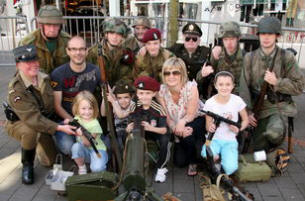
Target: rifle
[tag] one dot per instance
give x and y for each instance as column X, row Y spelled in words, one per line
column 87, row 135
column 109, row 113
column 215, row 172
column 206, row 88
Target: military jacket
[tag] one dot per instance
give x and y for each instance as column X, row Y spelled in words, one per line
column 233, row 64
column 193, row 62
column 48, row 60
column 26, row 106
column 115, row 68
column 133, row 44
column 290, row 80
column 151, row 66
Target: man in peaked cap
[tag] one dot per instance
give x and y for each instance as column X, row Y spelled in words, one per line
column 140, row 26
column 49, row 40
column 193, row 55
column 150, row 58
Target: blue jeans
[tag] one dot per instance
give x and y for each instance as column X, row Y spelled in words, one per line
column 64, row 142
column 228, row 151
column 96, row 164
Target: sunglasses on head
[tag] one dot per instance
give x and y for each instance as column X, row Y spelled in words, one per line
column 167, row 73
column 188, row 38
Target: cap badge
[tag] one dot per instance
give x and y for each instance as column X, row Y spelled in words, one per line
column 29, row 49
column 191, row 27
column 141, row 85
column 155, row 36
column 126, row 86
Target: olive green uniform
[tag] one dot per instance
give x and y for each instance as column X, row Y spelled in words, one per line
column 33, row 129
column 133, row 44
column 48, row 60
column 115, row 68
column 271, row 128
column 151, row 66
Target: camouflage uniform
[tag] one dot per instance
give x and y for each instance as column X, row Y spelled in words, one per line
column 151, row 66
column 48, row 60
column 273, row 115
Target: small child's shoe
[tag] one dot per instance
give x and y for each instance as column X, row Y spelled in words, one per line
column 82, row 169
column 160, row 175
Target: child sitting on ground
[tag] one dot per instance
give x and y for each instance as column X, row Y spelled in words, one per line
column 85, row 110
column 155, row 122
column 227, row 105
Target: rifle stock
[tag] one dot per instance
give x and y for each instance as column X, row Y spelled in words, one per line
column 109, row 113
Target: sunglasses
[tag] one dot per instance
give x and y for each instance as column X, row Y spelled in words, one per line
column 168, row 73
column 187, row 39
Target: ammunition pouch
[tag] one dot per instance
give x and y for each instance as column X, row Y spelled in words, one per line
column 9, row 113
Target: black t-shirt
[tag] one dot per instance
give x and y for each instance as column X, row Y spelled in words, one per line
column 70, row 83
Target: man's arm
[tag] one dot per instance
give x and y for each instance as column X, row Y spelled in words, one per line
column 58, row 108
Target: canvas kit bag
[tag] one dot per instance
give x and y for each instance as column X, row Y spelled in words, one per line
column 92, row 186
column 250, row 170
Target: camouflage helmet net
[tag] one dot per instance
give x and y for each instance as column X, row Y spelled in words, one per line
column 142, row 21
column 116, row 26
column 269, row 25
column 49, row 14
column 229, row 29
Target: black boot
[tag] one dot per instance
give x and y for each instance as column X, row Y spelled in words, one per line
column 27, row 160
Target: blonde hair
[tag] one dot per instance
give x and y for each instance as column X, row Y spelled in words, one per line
column 175, row 63
column 88, row 96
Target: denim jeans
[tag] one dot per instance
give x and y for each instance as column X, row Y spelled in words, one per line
column 64, row 142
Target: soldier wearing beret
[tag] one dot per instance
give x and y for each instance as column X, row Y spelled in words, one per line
column 30, row 97
column 140, row 26
column 151, row 57
column 193, row 55
column 153, row 120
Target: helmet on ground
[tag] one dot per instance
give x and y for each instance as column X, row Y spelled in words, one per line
column 270, row 25
column 142, row 21
column 116, row 26
column 49, row 14
column 229, row 29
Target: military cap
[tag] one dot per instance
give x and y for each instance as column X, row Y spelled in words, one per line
column 25, row 53
column 123, row 86
column 142, row 21
column 49, row 14
column 147, row 83
column 192, row 28
column 151, row 34
column 229, row 29
column 270, row 25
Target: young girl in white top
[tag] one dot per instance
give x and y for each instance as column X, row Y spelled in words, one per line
column 227, row 105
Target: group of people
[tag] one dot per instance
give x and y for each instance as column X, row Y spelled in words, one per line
column 58, row 80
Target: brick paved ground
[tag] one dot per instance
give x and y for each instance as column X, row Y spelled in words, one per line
column 289, row 187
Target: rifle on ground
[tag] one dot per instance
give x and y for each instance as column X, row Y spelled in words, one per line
column 215, row 172
column 87, row 135
column 109, row 113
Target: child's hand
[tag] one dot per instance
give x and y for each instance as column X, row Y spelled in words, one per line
column 85, row 142
column 79, row 132
column 146, row 125
column 66, row 121
column 234, row 129
column 211, row 128
column 129, row 127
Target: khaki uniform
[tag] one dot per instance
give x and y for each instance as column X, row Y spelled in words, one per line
column 33, row 129
column 115, row 69
column 270, row 131
column 47, row 60
column 133, row 44
column 151, row 66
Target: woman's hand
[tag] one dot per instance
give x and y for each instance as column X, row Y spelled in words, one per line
column 187, row 131
column 180, row 128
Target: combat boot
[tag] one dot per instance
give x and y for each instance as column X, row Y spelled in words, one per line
column 27, row 160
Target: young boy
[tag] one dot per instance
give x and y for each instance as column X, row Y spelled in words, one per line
column 121, row 100
column 155, row 122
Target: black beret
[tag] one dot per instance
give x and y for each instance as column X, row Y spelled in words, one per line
column 122, row 87
column 192, row 28
column 25, row 53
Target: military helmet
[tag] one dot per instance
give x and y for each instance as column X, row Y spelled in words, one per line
column 229, row 29
column 142, row 21
column 49, row 14
column 116, row 26
column 270, row 25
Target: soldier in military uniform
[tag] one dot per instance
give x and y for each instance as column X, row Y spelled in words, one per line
column 140, row 26
column 30, row 97
column 226, row 58
column 48, row 39
column 193, row 55
column 284, row 81
column 150, row 59
column 117, row 58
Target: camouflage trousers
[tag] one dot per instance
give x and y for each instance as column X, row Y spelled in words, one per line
column 31, row 139
column 269, row 133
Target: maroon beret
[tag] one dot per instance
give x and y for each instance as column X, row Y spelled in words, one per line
column 147, row 83
column 151, row 34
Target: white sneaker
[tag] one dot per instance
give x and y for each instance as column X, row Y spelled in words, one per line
column 82, row 170
column 160, row 175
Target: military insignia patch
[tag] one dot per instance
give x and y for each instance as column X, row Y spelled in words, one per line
column 17, row 98
column 54, row 84
column 141, row 85
column 153, row 122
column 191, row 27
column 155, row 36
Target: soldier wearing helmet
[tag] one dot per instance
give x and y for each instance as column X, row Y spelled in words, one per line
column 284, row 80
column 49, row 40
column 117, row 58
column 228, row 57
column 140, row 26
